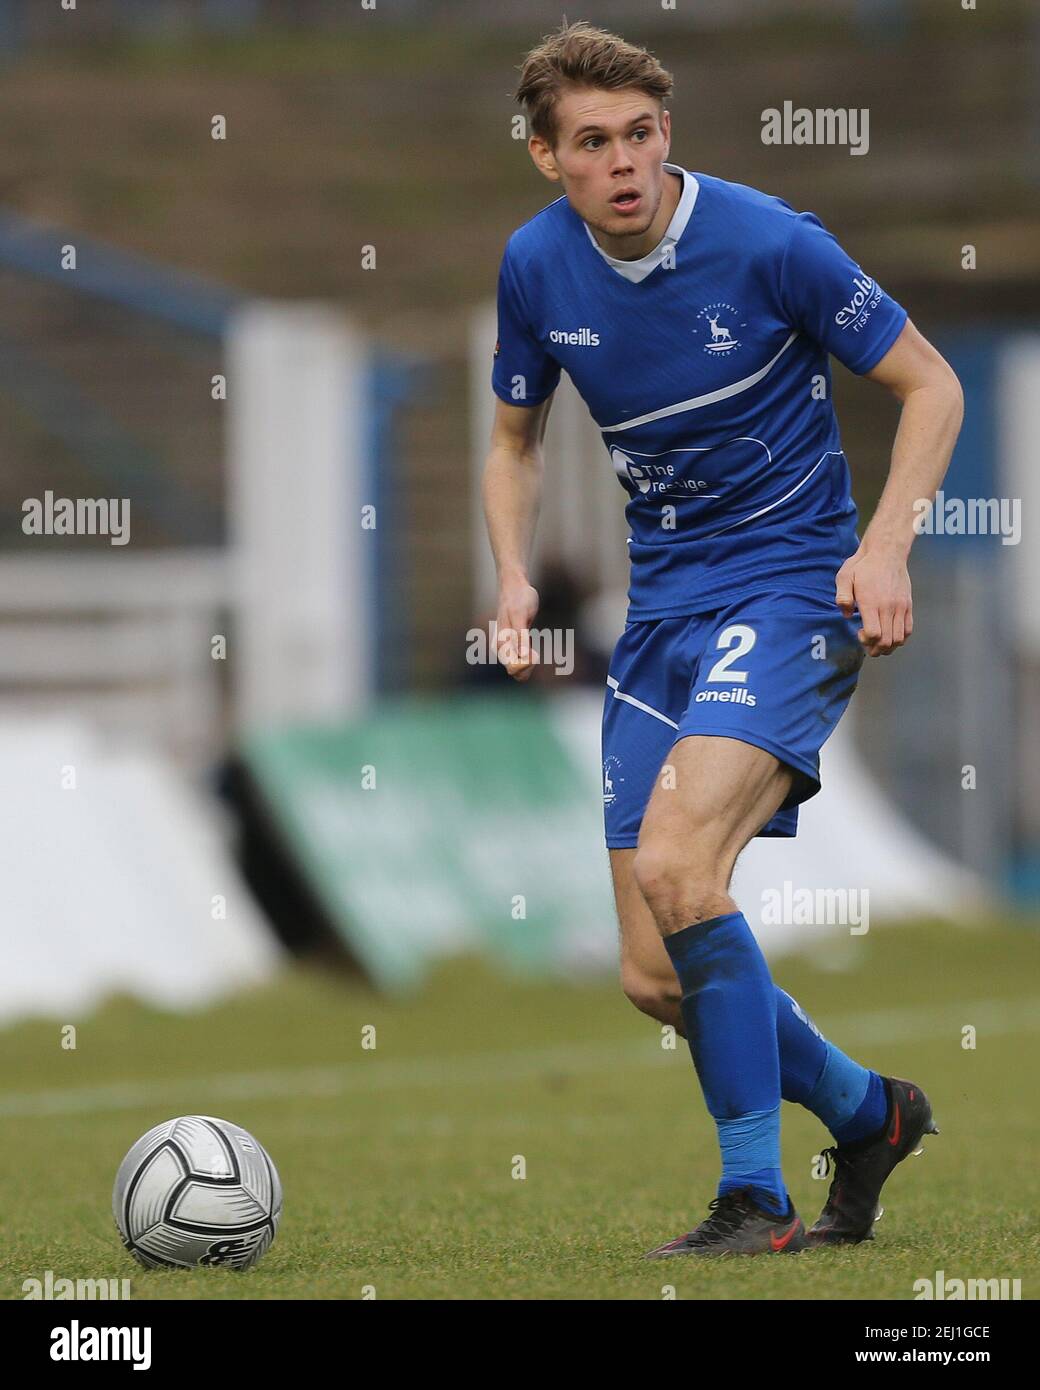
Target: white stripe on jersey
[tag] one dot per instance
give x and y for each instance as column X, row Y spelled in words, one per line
column 695, row 402
column 838, row 453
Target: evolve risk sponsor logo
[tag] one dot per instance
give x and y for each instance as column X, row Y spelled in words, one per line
column 865, row 297
column 720, row 322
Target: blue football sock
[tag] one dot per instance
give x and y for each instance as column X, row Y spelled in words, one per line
column 848, row 1098
column 869, row 1115
column 803, row 1049
column 745, row 1143
column 729, row 1013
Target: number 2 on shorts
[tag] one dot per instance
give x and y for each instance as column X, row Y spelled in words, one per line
column 740, row 639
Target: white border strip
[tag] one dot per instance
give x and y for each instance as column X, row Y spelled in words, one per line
column 838, row 453
column 619, row 694
column 695, row 402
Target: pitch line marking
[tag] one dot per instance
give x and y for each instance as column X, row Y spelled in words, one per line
column 878, row 1027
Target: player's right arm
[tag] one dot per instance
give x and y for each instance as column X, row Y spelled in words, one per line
column 512, row 490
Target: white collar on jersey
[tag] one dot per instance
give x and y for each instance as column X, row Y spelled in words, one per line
column 639, row 270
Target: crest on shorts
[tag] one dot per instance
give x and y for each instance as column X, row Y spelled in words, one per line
column 611, row 768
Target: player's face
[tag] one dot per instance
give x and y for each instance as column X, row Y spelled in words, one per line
column 609, row 154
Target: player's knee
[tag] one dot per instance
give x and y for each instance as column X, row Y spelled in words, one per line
column 677, row 891
column 657, row 873
column 651, row 994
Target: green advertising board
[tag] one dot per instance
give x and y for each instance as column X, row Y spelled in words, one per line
column 433, row 827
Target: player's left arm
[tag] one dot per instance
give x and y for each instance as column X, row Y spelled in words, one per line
column 875, row 580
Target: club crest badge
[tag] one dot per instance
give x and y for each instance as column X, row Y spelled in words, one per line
column 611, row 768
column 721, row 324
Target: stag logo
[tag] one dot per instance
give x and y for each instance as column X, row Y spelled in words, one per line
column 611, row 768
column 721, row 322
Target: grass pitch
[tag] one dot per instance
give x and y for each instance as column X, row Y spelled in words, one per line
column 398, row 1164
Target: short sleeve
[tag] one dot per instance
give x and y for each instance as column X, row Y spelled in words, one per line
column 828, row 297
column 523, row 372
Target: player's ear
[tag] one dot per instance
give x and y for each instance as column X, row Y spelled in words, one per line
column 544, row 159
column 666, row 130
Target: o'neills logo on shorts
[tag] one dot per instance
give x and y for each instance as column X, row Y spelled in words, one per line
column 736, row 696
column 582, row 337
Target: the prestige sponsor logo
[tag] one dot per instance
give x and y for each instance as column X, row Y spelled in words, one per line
column 656, row 479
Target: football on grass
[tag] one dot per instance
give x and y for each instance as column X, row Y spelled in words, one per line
column 197, row 1191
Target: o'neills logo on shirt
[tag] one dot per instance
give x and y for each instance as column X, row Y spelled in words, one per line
column 583, row 337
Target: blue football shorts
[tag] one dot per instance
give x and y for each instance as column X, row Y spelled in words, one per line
column 774, row 669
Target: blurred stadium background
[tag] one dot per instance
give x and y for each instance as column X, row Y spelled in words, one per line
column 250, row 777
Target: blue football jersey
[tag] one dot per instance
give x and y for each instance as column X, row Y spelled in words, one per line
column 709, row 379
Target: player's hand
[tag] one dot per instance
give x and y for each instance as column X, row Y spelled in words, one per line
column 517, row 606
column 876, row 582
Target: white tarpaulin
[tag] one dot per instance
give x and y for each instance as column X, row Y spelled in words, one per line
column 116, row 878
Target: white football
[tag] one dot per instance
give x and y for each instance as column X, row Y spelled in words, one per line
column 197, row 1191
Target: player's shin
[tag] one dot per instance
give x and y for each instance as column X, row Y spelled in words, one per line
column 848, row 1098
column 729, row 1012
